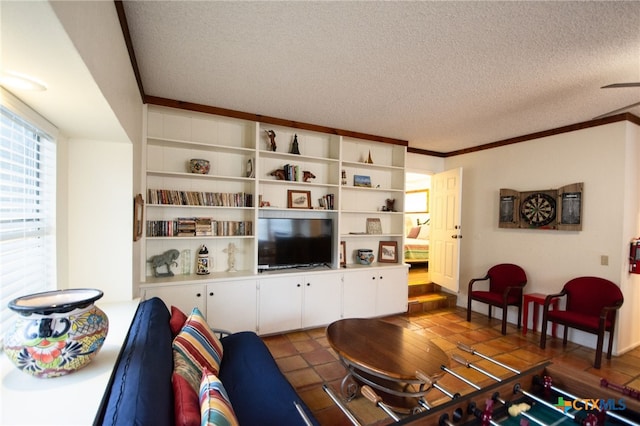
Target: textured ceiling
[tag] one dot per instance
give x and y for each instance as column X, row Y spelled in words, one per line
column 442, row 75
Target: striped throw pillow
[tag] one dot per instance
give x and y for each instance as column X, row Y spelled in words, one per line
column 215, row 407
column 198, row 344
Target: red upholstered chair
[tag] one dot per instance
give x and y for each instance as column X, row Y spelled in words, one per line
column 506, row 282
column 591, row 306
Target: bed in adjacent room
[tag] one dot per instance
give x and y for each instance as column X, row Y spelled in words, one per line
column 416, row 245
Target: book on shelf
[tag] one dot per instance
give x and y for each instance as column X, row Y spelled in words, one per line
column 198, row 227
column 197, row 198
column 327, row 202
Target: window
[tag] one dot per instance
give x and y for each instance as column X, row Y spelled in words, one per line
column 417, row 201
column 27, row 206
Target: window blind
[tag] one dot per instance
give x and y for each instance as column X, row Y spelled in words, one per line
column 27, row 211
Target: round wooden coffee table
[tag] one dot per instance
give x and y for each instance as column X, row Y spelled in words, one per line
column 384, row 356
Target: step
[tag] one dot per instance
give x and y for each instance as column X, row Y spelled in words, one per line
column 431, row 301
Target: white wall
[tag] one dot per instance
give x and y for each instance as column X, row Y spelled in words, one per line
column 596, row 156
column 96, row 175
column 629, row 332
column 100, row 223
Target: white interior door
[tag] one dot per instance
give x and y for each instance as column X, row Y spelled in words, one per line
column 444, row 241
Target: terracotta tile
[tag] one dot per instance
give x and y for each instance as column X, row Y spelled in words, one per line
column 291, row 363
column 319, row 356
column 315, row 398
column 281, row 349
column 297, row 336
column 303, row 378
column 308, row 345
column 331, row 371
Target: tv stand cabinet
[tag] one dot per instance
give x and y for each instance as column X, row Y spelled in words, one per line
column 243, row 185
column 274, row 303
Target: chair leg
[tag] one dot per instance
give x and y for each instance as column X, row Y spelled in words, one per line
column 469, row 308
column 610, row 344
column 504, row 320
column 543, row 332
column 566, row 334
column 519, row 316
column 599, row 349
column 489, row 311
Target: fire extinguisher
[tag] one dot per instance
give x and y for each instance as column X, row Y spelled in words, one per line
column 202, row 267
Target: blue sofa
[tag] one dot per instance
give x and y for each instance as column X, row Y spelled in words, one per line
column 140, row 391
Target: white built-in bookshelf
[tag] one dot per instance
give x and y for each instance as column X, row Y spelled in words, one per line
column 247, row 180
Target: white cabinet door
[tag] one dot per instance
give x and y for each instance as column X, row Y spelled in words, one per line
column 359, row 294
column 392, row 294
column 232, row 305
column 321, row 299
column 279, row 304
column 184, row 297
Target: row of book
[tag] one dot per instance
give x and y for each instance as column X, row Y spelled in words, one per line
column 198, row 227
column 327, row 202
column 196, row 198
column 292, row 173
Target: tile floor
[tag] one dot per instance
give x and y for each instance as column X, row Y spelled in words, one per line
column 308, row 362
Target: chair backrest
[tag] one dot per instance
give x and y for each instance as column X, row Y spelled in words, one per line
column 588, row 295
column 506, row 275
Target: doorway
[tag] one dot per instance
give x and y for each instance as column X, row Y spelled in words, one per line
column 417, row 227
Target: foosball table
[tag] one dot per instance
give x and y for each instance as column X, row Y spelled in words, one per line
column 545, row 394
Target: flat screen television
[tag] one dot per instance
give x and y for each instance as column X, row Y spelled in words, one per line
column 293, row 243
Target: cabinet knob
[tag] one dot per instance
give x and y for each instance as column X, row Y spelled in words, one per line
column 198, row 295
column 380, row 276
column 298, row 285
column 373, row 278
column 308, row 284
column 211, row 293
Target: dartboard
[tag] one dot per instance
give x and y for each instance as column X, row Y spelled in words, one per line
column 538, row 209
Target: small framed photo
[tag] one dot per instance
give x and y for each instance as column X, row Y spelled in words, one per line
column 298, row 199
column 388, row 252
column 343, row 254
column 360, row 180
column 374, row 226
column 138, row 219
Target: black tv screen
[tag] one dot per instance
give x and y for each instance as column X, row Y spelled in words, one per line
column 290, row 243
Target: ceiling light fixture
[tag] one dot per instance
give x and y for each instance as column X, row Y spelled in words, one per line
column 14, row 80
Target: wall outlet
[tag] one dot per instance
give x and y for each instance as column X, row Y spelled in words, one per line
column 604, row 260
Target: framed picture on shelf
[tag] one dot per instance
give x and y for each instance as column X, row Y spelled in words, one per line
column 388, row 252
column 298, row 199
column 343, row 254
column 374, row 226
column 138, row 220
column 361, row 180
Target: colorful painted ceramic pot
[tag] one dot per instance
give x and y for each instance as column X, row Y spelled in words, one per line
column 57, row 332
column 365, row 256
column 198, row 165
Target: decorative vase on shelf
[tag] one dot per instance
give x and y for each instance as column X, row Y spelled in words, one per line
column 365, row 256
column 199, row 166
column 57, row 332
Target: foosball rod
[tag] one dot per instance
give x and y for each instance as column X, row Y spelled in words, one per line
column 459, row 377
column 420, row 375
column 341, row 405
column 547, row 383
column 372, row 396
column 467, row 364
column 518, row 389
column 472, row 351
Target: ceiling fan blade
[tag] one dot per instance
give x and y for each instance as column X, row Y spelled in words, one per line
column 618, row 85
column 617, row 111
